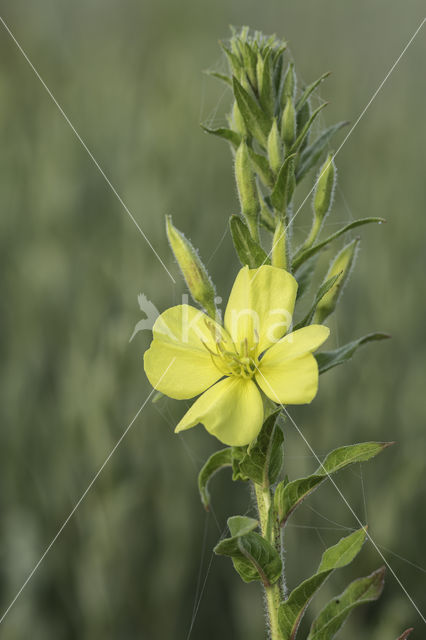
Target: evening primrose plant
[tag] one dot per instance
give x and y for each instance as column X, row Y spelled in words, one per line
column 244, row 370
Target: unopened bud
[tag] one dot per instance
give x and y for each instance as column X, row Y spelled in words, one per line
column 342, row 264
column 238, row 120
column 288, row 124
column 247, row 189
column 275, row 148
column 193, row 270
column 279, row 246
column 323, row 197
column 289, row 84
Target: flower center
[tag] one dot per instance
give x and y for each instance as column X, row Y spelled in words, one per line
column 233, row 360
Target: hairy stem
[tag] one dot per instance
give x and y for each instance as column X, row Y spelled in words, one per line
column 272, row 592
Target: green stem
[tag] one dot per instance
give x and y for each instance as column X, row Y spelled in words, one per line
column 272, row 592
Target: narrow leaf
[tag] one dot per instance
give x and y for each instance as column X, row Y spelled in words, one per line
column 219, row 460
column 263, row 462
column 333, row 616
column 328, row 359
column 253, row 557
column 324, row 288
column 248, row 250
column 262, row 167
column 220, row 76
column 341, row 554
column 310, row 89
column 302, row 135
column 304, row 275
column 311, row 155
column 256, row 120
column 291, row 495
column 227, row 134
column 302, row 255
column 282, row 183
column 406, row 633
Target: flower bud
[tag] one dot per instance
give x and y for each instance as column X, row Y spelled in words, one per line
column 289, row 84
column 288, row 124
column 323, row 197
column 238, row 120
column 279, row 245
column 275, row 148
column 193, row 270
column 247, row 190
column 342, row 264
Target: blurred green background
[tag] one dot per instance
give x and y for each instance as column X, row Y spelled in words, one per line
column 135, row 560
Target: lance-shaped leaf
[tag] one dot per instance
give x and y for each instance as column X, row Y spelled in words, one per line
column 328, row 359
column 324, row 288
column 253, row 557
column 263, row 462
column 406, row 633
column 256, row 120
column 279, row 195
column 311, row 155
column 227, row 134
column 310, row 89
column 304, row 275
column 219, row 460
column 262, row 167
column 289, row 496
column 248, row 250
column 333, row 616
column 302, row 135
column 303, row 255
column 267, row 97
column 220, row 76
column 341, row 554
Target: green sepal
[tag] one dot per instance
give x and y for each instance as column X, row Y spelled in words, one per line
column 291, row 495
column 248, row 250
column 307, row 92
column 334, row 615
column 341, row 554
column 256, row 120
column 227, row 134
column 253, row 557
column 312, row 154
column 328, row 359
column 305, row 130
column 219, row 460
column 324, row 288
column 263, row 461
column 405, row 634
column 303, row 255
column 281, row 192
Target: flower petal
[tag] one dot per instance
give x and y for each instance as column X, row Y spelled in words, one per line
column 231, row 410
column 178, row 362
column 260, row 306
column 294, row 381
column 288, row 372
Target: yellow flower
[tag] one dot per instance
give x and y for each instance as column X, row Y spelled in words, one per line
column 232, row 365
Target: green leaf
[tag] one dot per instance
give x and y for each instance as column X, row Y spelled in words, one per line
column 311, row 155
column 335, row 613
column 304, row 276
column 289, row 496
column 248, row 250
column 302, row 135
column 267, row 91
column 227, row 134
column 303, row 255
column 262, row 167
column 406, row 633
column 219, row 460
column 220, row 76
column 329, row 359
column 341, row 554
column 280, row 191
column 324, row 288
column 309, row 90
column 253, row 557
column 263, row 462
column 256, row 120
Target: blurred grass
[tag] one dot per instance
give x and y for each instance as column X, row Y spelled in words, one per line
column 72, row 263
